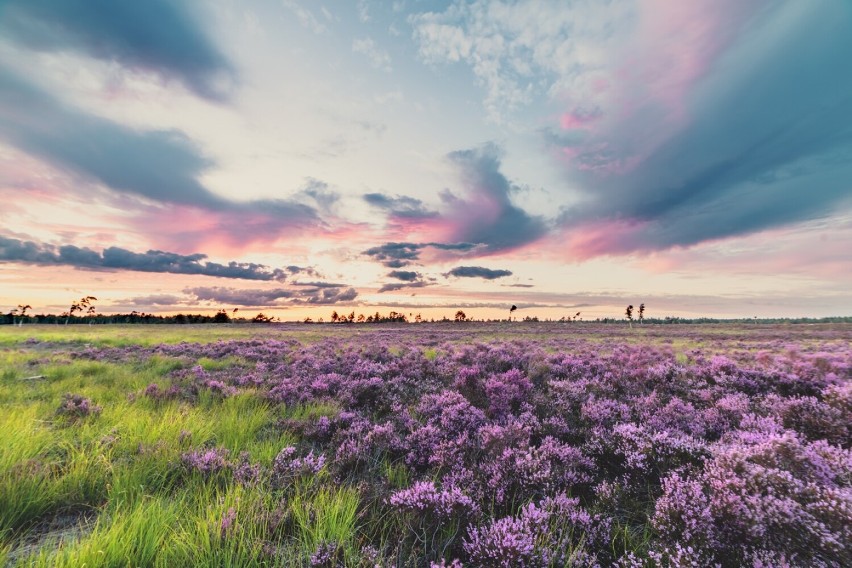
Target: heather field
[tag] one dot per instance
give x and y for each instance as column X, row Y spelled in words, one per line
column 424, row 445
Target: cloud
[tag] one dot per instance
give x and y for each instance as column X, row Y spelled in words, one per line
column 318, row 284
column 395, row 286
column 156, row 300
column 677, row 123
column 154, row 36
column 398, row 255
column 162, row 166
column 306, row 18
column 477, row 272
column 401, row 206
column 379, row 58
column 273, row 297
column 320, row 193
column 485, row 215
column 750, row 141
column 480, row 220
column 404, row 275
column 521, row 50
column 115, row 258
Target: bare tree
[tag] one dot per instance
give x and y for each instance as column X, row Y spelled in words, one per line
column 21, row 312
column 84, row 303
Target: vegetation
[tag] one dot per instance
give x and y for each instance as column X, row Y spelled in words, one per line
column 498, row 445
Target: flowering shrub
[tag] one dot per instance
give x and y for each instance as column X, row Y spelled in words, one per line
column 733, row 452
column 424, row 498
column 287, row 467
column 207, row 462
column 552, row 532
column 76, row 407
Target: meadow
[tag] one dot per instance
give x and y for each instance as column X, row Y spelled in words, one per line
column 460, row 444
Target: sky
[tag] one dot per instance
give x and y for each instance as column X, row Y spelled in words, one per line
column 298, row 157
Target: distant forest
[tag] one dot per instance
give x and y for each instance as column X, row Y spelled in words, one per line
column 223, row 317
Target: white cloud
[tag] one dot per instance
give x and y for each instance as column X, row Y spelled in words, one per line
column 363, row 11
column 379, row 58
column 305, row 16
column 524, row 49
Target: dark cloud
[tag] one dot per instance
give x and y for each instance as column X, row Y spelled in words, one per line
column 115, row 258
column 154, row 36
column 404, row 275
column 321, row 194
column 318, row 284
column 394, row 286
column 163, row 166
column 477, row 272
column 328, row 296
column 398, row 255
column 275, row 297
column 486, row 216
column 400, row 206
column 767, row 142
column 395, row 255
column 156, row 300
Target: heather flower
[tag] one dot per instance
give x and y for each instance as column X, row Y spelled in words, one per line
column 246, row 472
column 423, row 497
column 327, row 555
column 76, row 407
column 506, row 391
column 153, row 391
column 286, row 466
column 455, row 563
column 207, row 462
column 219, row 388
column 550, row 532
column 228, row 523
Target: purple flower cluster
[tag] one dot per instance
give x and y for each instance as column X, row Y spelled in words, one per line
column 424, row 498
column 207, row 462
column 733, row 453
column 75, row 407
column 553, row 532
column 287, row 467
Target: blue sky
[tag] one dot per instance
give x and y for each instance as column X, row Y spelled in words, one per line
column 287, row 156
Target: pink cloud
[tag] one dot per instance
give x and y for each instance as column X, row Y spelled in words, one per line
column 598, row 238
column 642, row 92
column 579, row 118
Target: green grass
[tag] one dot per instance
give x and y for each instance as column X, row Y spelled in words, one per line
column 119, row 472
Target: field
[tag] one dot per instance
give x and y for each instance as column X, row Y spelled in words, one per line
column 426, row 445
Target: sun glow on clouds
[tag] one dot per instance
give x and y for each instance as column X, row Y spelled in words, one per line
column 671, row 148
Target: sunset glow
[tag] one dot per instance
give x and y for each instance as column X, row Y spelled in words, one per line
column 297, row 157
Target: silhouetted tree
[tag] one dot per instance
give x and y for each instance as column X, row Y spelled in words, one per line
column 85, row 303
column 512, row 309
column 334, row 316
column 221, row 317
column 641, row 312
column 629, row 313
column 460, row 316
column 21, row 312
